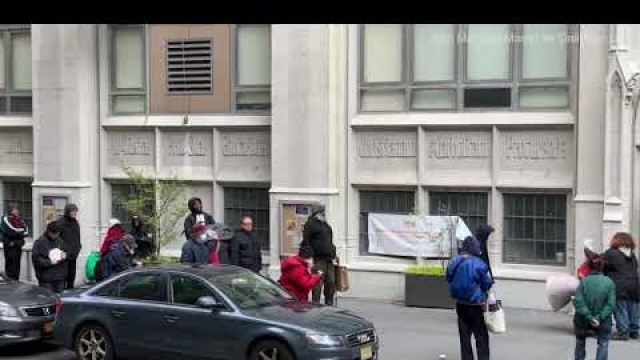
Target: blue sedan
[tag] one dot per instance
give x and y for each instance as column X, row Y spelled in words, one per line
column 205, row 312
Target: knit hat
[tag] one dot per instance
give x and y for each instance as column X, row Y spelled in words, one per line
column 198, row 229
column 54, row 228
column 113, row 222
column 471, row 246
column 305, row 252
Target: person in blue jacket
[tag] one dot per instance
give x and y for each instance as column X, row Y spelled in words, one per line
column 469, row 282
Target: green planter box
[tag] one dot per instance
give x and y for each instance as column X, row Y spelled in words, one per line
column 427, row 291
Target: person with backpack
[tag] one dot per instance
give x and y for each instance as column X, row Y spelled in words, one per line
column 469, row 281
column 115, row 232
column 594, row 303
column 121, row 256
column 13, row 230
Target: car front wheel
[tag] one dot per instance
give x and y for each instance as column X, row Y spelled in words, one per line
column 271, row 350
column 93, row 343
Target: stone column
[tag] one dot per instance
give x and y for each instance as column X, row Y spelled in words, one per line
column 66, row 123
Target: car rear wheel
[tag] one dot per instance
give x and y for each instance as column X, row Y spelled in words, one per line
column 93, row 343
column 271, row 350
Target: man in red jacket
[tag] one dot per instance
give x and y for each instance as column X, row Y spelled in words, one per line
column 296, row 277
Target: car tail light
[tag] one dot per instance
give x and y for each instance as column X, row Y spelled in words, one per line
column 58, row 306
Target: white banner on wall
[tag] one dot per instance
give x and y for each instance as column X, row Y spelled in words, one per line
column 415, row 235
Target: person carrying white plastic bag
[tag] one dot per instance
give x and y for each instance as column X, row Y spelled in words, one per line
column 494, row 316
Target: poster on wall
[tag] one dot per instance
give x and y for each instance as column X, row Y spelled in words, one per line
column 52, row 208
column 294, row 216
column 415, row 235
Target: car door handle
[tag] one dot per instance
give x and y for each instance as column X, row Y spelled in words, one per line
column 118, row 313
column 170, row 319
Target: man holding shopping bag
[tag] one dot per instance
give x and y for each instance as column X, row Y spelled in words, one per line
column 469, row 282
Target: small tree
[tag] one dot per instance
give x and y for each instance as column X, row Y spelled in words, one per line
column 168, row 205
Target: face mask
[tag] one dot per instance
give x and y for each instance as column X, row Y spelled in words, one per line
column 320, row 217
column 626, row 251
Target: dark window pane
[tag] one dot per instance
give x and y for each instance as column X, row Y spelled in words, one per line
column 395, row 202
column 487, row 98
column 110, row 290
column 187, row 290
column 148, row 287
column 535, row 229
column 3, row 105
column 21, row 105
column 471, row 207
column 240, row 201
column 120, row 194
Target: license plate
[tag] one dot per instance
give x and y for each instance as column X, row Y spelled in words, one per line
column 366, row 353
column 48, row 327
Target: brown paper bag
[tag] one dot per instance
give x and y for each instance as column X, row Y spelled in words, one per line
column 342, row 278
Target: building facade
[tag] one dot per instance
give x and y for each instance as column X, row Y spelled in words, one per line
column 531, row 128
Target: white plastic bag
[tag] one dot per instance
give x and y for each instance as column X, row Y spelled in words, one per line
column 494, row 316
column 560, row 289
column 55, row 255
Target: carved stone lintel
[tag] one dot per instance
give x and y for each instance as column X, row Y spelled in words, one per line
column 386, row 145
column 246, row 144
column 526, row 147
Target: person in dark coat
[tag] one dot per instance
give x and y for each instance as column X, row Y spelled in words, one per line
column 245, row 249
column 13, row 230
column 196, row 216
column 196, row 250
column 121, row 256
column 483, row 234
column 594, row 303
column 318, row 235
column 49, row 259
column 621, row 265
column 144, row 241
column 295, row 275
column 70, row 241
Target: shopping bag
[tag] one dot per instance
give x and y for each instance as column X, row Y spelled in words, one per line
column 494, row 316
column 342, row 278
column 560, row 289
column 90, row 265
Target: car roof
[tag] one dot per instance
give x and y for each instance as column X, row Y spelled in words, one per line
column 207, row 270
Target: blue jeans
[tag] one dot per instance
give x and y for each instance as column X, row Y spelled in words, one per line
column 603, row 345
column 627, row 315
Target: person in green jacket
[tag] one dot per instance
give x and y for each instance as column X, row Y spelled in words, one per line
column 594, row 303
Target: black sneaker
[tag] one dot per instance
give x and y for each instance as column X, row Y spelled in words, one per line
column 634, row 336
column 623, row 336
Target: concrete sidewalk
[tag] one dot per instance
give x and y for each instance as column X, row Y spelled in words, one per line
column 423, row 334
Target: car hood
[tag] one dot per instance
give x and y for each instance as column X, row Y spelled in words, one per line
column 320, row 318
column 20, row 294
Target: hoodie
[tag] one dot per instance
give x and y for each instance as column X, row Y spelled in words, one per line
column 192, row 218
column 143, row 240
column 120, row 256
column 70, row 232
column 468, row 275
column 296, row 278
column 623, row 270
column 483, row 233
column 113, row 234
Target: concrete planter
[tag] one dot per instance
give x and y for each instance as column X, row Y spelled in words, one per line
column 428, row 291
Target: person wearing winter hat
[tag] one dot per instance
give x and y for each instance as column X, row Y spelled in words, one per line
column 469, row 281
column 121, row 255
column 70, row 241
column 318, row 235
column 49, row 260
column 196, row 250
column 13, row 230
column 114, row 233
column 144, row 238
column 591, row 254
column 196, row 216
column 296, row 277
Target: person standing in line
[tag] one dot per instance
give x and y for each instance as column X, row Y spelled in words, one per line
column 196, row 250
column 114, row 233
column 144, row 240
column 49, row 259
column 594, row 303
column 121, row 256
column 318, row 235
column 295, row 275
column 13, row 230
column 245, row 249
column 590, row 254
column 621, row 265
column 469, row 281
column 71, row 241
column 196, row 216
column 483, row 234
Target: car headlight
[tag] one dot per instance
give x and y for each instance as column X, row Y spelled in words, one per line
column 8, row 310
column 323, row 340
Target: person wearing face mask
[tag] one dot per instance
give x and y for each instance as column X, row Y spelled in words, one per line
column 49, row 260
column 197, row 249
column 121, row 256
column 621, row 265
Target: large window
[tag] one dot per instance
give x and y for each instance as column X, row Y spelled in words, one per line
column 472, row 207
column 15, row 71
column 253, row 68
column 447, row 67
column 240, row 201
column 120, row 194
column 128, row 69
column 535, row 229
column 391, row 202
column 20, row 193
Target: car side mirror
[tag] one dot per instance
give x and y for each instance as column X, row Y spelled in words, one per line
column 209, row 302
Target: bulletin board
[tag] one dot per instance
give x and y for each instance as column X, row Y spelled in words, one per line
column 52, row 208
column 294, row 216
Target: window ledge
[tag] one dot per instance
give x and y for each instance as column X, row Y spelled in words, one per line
column 192, row 120
column 465, row 118
column 16, row 121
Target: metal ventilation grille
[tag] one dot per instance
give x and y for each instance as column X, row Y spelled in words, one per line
column 189, row 66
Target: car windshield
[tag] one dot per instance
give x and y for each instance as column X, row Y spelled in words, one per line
column 248, row 290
